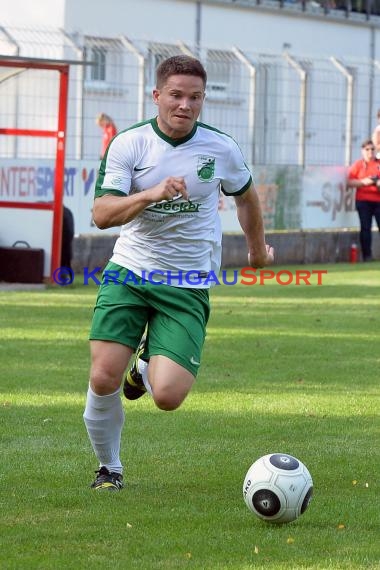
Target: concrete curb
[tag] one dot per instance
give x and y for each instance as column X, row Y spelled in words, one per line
column 291, row 248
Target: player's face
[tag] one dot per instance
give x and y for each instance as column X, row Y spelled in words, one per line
column 179, row 103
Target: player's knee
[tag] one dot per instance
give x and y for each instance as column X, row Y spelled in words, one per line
column 167, row 401
column 103, row 382
column 167, row 406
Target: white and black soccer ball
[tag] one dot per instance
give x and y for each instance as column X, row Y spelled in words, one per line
column 278, row 488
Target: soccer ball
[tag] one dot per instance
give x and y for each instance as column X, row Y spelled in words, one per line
column 278, row 488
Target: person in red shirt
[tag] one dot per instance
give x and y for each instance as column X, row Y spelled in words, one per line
column 109, row 131
column 364, row 175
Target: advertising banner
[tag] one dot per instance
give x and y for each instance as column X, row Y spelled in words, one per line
column 327, row 202
column 291, row 198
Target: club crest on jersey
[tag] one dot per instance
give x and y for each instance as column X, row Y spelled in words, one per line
column 206, row 168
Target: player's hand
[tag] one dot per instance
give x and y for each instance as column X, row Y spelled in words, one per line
column 169, row 188
column 261, row 259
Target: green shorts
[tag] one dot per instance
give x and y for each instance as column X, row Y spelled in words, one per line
column 176, row 316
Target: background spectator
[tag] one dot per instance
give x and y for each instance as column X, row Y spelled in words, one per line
column 364, row 175
column 109, row 130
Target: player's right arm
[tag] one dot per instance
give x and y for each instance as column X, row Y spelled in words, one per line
column 114, row 203
column 110, row 210
column 251, row 221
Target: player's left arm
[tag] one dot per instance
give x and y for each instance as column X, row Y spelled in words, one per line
column 251, row 221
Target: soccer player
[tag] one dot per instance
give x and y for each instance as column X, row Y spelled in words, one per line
column 160, row 180
column 376, row 136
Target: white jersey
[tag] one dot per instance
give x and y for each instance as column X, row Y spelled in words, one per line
column 176, row 236
column 376, row 140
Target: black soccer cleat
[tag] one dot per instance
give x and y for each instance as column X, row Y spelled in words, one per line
column 107, row 480
column 133, row 383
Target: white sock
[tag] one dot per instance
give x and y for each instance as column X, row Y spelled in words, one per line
column 104, row 420
column 143, row 369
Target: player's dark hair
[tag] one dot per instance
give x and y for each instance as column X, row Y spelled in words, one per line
column 179, row 65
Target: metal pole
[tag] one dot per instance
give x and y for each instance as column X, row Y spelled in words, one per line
column 79, row 139
column 252, row 99
column 17, row 53
column 198, row 27
column 59, row 169
column 302, row 117
column 349, row 108
column 375, row 64
column 183, row 47
column 141, row 77
column 371, row 79
column 265, row 98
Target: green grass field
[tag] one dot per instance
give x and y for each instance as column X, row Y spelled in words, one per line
column 286, row 368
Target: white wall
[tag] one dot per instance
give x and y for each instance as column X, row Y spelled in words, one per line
column 221, row 26
column 256, row 31
column 32, row 12
column 253, row 29
column 159, row 20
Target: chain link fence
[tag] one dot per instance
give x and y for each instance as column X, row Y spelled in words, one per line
column 358, row 10
column 283, row 109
